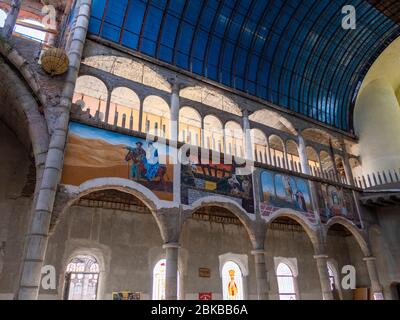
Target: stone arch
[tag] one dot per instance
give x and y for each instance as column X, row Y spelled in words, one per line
column 190, row 124
column 156, row 116
column 213, row 133
column 277, row 147
column 302, row 221
column 352, row 228
column 145, row 195
column 21, row 112
column 230, row 205
column 234, row 138
column 91, row 95
column 313, row 160
column 274, row 120
column 260, row 146
column 293, row 157
column 322, row 137
column 124, row 108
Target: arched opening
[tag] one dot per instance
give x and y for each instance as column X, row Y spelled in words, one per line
column 116, row 226
column 339, row 164
column 124, row 108
column 277, row 151
column 213, row 133
column 159, row 280
column 313, row 161
column 343, row 248
column 286, row 282
column 156, row 117
column 260, row 146
column 190, row 126
column 293, row 156
column 232, row 281
column 82, row 278
column 3, row 17
column 328, row 169
column 234, row 139
column 321, row 137
column 290, row 244
column 214, row 240
column 273, row 120
column 91, row 95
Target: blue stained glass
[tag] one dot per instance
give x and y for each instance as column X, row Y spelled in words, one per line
column 290, row 52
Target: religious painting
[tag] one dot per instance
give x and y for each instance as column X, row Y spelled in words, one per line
column 334, row 201
column 284, row 191
column 205, row 296
column 199, row 180
column 96, row 153
column 232, row 281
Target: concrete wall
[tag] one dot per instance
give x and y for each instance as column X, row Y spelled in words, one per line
column 14, row 209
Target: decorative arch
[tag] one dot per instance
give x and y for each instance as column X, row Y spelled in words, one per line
column 156, row 116
column 229, row 204
column 293, row 155
column 124, row 108
column 190, row 123
column 260, row 146
column 277, row 150
column 302, row 221
column 353, row 229
column 145, row 195
column 234, row 139
column 91, row 95
column 213, row 133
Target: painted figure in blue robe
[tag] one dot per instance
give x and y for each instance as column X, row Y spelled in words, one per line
column 152, row 162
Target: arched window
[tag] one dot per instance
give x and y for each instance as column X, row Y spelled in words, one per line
column 232, row 281
column 3, row 17
column 331, row 277
column 286, row 285
column 81, row 278
column 159, row 280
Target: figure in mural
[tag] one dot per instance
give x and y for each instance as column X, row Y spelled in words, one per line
column 288, row 187
column 137, row 155
column 152, row 163
column 232, row 286
column 301, row 202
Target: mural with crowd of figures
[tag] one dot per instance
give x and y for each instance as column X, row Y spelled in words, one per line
column 334, row 201
column 284, row 191
column 96, row 153
column 199, row 180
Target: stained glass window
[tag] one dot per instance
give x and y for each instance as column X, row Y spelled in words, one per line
column 81, row 278
column 286, row 283
column 232, row 281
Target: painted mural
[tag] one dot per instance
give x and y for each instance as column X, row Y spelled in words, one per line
column 200, row 180
column 96, row 153
column 334, row 201
column 284, row 191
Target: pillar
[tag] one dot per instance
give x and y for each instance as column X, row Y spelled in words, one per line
column 247, row 141
column 285, row 159
column 171, row 272
column 322, row 267
column 346, row 165
column 174, row 122
column 261, row 274
column 108, row 103
column 202, row 134
column 38, row 233
column 376, row 287
column 11, row 19
column 303, row 155
column 141, row 115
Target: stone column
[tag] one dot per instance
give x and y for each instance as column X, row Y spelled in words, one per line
column 285, row 158
column 261, row 274
column 247, row 141
column 303, row 155
column 322, row 267
column 202, row 134
column 140, row 126
column 11, row 19
column 373, row 275
column 37, row 236
column 346, row 165
column 174, row 118
column 171, row 273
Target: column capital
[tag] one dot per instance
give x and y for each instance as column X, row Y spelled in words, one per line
column 176, row 84
column 369, row 258
column 171, row 245
column 258, row 251
column 320, row 256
